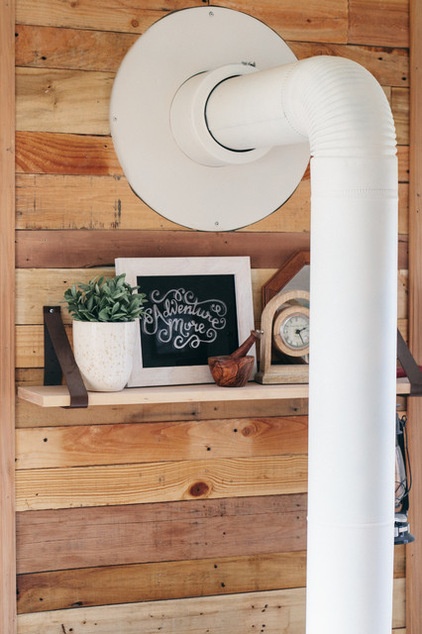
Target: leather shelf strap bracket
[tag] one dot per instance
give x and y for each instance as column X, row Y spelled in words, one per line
column 59, row 361
column 409, row 365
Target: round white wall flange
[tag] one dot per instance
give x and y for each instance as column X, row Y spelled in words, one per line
column 204, row 197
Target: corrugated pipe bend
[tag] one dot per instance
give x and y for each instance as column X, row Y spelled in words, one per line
column 333, row 102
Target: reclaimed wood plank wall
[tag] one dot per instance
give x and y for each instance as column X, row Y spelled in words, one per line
column 173, row 519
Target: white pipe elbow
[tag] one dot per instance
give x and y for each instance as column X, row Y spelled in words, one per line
column 333, row 102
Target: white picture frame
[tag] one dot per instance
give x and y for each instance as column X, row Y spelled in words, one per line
column 178, row 306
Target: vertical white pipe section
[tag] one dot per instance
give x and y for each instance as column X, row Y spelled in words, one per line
column 343, row 111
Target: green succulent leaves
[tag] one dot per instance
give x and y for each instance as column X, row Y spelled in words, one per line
column 105, row 299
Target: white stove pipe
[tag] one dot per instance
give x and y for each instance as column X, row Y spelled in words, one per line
column 344, row 113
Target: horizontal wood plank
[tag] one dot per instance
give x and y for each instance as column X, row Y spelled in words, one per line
column 78, row 101
column 49, row 47
column 45, row 287
column 400, row 108
column 92, row 14
column 159, row 482
column 57, row 153
column 55, row 100
column 146, row 442
column 75, row 154
column 36, row 288
column 217, row 615
column 42, row 249
column 256, row 612
column 390, row 66
column 105, row 202
column 159, row 532
column 322, row 23
column 367, row 16
column 30, row 346
column 166, row 580
column 41, row 46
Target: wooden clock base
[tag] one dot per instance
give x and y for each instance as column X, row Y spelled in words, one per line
column 298, row 373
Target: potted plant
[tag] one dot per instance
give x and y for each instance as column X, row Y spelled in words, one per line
column 106, row 313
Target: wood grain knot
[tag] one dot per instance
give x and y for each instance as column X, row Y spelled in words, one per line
column 199, row 489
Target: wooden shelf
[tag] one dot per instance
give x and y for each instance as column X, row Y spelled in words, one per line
column 58, row 395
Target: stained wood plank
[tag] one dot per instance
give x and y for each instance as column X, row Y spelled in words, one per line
column 119, row 444
column 48, row 202
column 152, row 582
column 133, row 17
column 160, row 532
column 36, row 288
column 261, row 611
column 402, row 295
column 7, row 342
column 74, row 101
column 390, row 66
column 50, row 47
column 256, row 612
column 45, row 287
column 54, row 153
column 41, row 249
column 158, row 482
column 63, row 101
column 31, row 416
column 30, row 346
column 106, row 202
column 51, row 153
column 321, row 24
column 164, row 580
column 366, row 16
column 400, row 109
column 403, row 190
column 403, row 161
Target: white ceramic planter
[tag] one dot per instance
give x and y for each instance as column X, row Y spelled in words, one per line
column 104, row 353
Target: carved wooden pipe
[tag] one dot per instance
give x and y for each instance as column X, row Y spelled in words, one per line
column 234, row 370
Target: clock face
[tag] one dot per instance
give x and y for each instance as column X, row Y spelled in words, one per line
column 291, row 331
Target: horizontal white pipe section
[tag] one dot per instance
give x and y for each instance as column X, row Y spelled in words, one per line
column 344, row 113
column 278, row 107
column 243, row 115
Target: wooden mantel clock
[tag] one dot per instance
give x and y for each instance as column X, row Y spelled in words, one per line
column 284, row 344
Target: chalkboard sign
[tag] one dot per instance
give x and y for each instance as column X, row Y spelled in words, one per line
column 188, row 319
column 197, row 308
